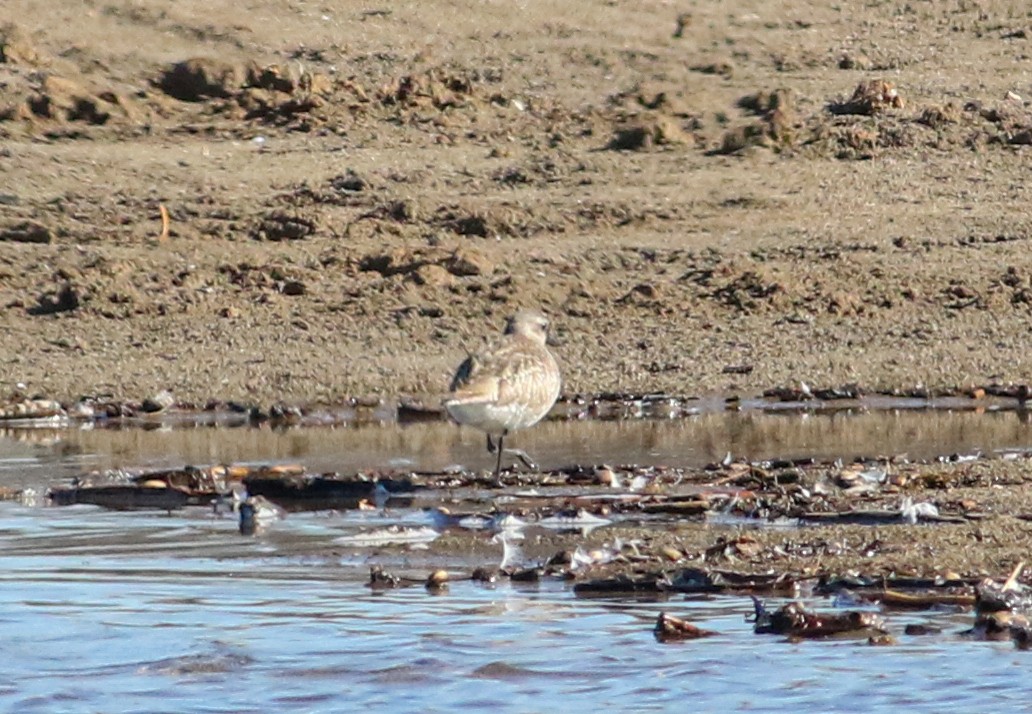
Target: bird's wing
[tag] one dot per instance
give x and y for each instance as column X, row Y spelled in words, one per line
column 472, row 384
column 464, row 373
column 528, row 377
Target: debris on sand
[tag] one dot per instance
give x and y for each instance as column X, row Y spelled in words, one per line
column 31, row 409
column 289, row 486
column 673, row 629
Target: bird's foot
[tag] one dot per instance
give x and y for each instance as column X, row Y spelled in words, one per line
column 522, row 456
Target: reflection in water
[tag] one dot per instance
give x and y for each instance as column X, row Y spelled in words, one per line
column 692, row 441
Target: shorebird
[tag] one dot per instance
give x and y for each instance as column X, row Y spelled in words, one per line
column 256, row 512
column 509, row 386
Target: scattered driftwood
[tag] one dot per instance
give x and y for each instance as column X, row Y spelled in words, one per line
column 794, row 620
column 674, row 629
column 121, row 497
column 287, row 485
column 690, row 580
column 919, row 601
column 874, row 518
column 696, row 580
column 691, row 507
column 522, row 575
column 305, row 492
column 1003, row 610
column 622, row 585
column 830, row 585
column 919, row 630
column 30, row 409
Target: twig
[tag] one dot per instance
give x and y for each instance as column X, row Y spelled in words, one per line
column 1011, row 582
column 165, row 223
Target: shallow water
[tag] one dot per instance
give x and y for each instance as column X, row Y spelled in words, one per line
column 47, row 454
column 106, row 611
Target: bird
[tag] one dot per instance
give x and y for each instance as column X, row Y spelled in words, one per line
column 256, row 512
column 510, row 385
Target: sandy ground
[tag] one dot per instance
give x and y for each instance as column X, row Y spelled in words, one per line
column 357, row 194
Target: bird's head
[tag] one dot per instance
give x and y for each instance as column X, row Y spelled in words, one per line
column 530, row 324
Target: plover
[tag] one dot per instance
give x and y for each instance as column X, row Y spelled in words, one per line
column 509, row 386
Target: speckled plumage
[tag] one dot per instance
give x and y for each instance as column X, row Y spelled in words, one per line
column 511, row 385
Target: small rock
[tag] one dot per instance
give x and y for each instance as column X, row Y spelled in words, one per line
column 860, row 61
column 273, row 78
column 159, row 402
column 670, row 629
column 881, row 641
column 27, row 232
column 468, row 262
column 317, row 83
column 293, row 288
column 433, row 276
column 66, row 100
column 348, row 181
column 438, row 581
column 67, row 299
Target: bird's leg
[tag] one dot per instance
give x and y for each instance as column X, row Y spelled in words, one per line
column 498, row 464
column 493, row 449
column 520, row 454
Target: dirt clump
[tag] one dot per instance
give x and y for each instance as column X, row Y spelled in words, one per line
column 16, row 47
column 870, row 98
column 197, row 79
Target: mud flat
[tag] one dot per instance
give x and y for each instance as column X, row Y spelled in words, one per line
column 306, row 206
